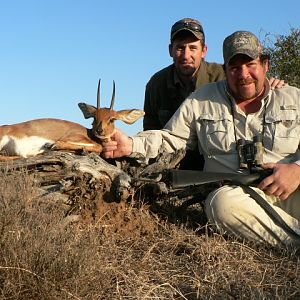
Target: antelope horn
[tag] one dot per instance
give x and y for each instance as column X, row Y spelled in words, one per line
column 98, row 95
column 112, row 102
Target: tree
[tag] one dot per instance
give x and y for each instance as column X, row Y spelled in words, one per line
column 285, row 56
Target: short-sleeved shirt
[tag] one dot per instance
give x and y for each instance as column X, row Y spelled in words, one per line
column 165, row 92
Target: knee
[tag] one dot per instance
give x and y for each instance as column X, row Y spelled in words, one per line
column 221, row 207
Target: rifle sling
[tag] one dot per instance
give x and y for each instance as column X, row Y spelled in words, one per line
column 270, row 211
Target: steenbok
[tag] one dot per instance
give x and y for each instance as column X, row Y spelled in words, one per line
column 39, row 135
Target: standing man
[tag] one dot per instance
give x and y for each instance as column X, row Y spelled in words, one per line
column 215, row 118
column 169, row 87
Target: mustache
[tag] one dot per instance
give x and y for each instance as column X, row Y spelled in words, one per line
column 246, row 81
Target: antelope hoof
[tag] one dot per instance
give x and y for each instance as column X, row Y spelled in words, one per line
column 49, row 146
column 83, row 152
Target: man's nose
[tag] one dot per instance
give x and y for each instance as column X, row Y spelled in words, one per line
column 186, row 52
column 243, row 71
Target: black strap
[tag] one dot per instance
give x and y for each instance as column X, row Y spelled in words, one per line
column 270, row 211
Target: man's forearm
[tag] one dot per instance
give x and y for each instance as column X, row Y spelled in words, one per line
column 148, row 144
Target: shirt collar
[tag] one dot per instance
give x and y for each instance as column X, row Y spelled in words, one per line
column 177, row 81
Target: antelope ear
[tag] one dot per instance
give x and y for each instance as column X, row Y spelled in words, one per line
column 88, row 111
column 129, row 116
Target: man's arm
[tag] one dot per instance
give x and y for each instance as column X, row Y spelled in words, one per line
column 276, row 83
column 178, row 134
column 284, row 180
column 146, row 144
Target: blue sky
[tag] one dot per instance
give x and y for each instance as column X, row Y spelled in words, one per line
column 53, row 52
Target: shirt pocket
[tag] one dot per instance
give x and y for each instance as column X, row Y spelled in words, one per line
column 217, row 134
column 283, row 132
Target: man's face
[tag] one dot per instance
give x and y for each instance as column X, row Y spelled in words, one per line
column 246, row 77
column 187, row 53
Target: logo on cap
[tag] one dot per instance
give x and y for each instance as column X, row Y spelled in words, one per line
column 241, row 42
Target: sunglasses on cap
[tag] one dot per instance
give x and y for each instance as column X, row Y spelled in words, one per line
column 181, row 25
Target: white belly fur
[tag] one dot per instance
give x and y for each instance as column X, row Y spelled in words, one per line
column 25, row 147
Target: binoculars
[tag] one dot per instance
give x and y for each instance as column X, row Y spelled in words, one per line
column 250, row 154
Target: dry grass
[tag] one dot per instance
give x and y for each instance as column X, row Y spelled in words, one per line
column 127, row 253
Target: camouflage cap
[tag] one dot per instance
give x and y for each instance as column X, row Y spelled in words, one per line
column 188, row 24
column 241, row 42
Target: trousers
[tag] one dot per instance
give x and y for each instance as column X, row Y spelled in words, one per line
column 232, row 210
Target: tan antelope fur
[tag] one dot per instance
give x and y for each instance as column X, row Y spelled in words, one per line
column 39, row 135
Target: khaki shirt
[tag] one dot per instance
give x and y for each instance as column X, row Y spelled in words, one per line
column 206, row 119
column 165, row 92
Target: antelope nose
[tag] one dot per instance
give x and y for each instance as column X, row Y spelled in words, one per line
column 99, row 131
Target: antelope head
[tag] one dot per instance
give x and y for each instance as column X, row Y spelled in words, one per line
column 104, row 118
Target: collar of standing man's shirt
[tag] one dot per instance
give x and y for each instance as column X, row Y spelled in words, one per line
column 178, row 82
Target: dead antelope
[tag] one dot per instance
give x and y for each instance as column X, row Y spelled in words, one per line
column 39, row 135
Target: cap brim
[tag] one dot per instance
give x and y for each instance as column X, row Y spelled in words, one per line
column 251, row 54
column 198, row 35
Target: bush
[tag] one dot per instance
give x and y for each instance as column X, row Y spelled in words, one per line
column 285, row 56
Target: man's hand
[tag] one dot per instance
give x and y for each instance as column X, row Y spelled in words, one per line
column 276, row 83
column 119, row 145
column 283, row 182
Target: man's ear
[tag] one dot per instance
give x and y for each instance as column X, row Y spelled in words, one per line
column 170, row 50
column 204, row 51
column 267, row 66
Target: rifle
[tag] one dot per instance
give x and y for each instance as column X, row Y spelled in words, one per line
column 180, row 179
column 184, row 178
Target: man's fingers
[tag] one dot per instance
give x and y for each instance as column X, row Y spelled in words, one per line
column 107, row 154
column 109, row 146
column 264, row 184
column 284, row 196
column 272, row 190
column 269, row 165
column 108, row 149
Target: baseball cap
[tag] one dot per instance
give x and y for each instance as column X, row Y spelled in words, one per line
column 241, row 42
column 188, row 24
